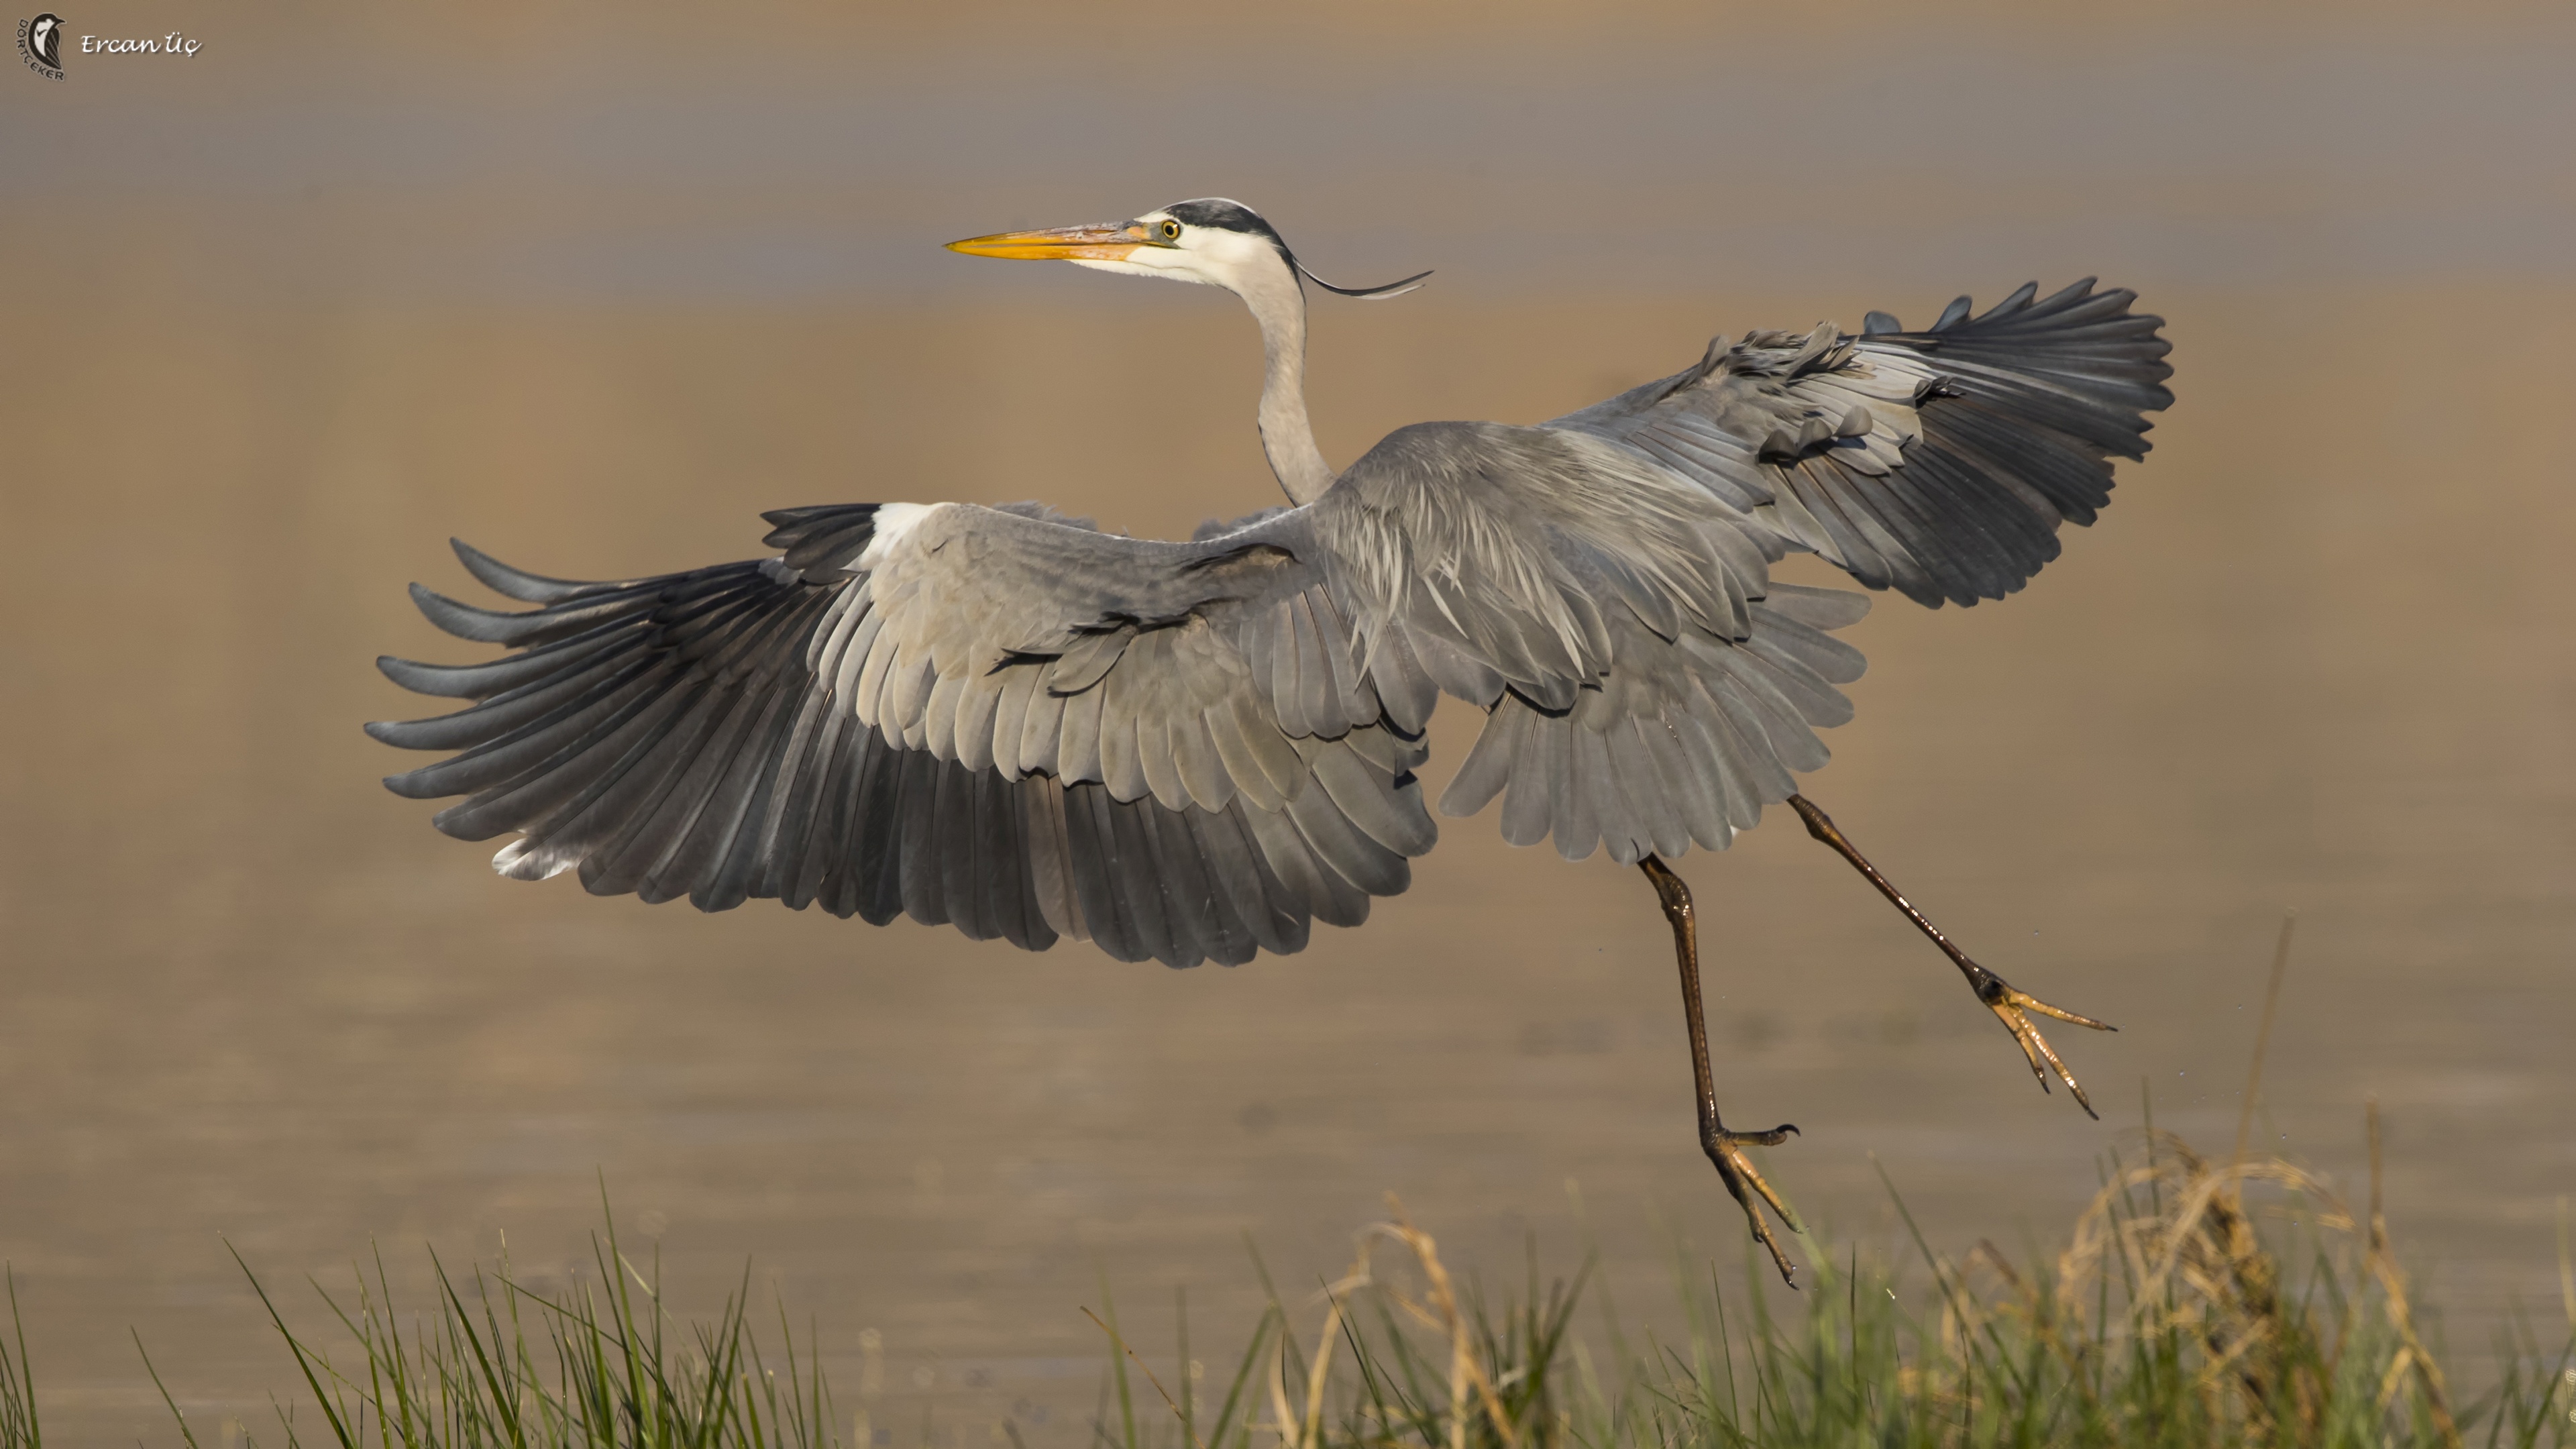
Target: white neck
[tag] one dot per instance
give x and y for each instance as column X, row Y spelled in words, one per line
column 1278, row 303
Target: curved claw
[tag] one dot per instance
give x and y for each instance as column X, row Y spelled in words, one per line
column 1737, row 1171
column 2009, row 1005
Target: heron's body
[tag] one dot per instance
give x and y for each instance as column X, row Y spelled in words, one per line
column 1004, row 720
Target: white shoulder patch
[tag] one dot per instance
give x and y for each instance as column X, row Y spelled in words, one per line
column 893, row 521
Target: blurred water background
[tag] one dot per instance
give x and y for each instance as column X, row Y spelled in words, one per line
column 590, row 286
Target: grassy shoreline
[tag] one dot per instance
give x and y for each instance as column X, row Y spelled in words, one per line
column 2194, row 1302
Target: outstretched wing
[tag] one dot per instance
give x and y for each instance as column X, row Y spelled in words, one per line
column 1648, row 686
column 998, row 719
column 1939, row 463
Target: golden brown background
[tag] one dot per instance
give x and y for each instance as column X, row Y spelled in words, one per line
column 593, row 285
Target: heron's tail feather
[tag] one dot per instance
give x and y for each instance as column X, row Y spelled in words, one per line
column 1683, row 743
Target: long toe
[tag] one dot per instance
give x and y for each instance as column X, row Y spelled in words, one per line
column 2012, row 1006
column 1745, row 1183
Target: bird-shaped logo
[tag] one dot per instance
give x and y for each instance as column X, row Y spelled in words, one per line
column 41, row 41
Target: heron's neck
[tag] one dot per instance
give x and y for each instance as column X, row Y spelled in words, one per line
column 1280, row 305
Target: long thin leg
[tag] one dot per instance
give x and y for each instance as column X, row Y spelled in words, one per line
column 2000, row 996
column 1724, row 1148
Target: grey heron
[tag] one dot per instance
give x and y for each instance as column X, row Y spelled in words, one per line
column 1006, row 720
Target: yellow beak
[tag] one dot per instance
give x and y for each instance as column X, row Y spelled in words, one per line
column 1106, row 242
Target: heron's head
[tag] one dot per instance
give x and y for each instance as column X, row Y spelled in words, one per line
column 1212, row 240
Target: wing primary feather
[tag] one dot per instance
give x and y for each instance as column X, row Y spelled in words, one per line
column 877, row 830
column 961, row 886
column 1236, row 879
column 918, row 810
column 1050, row 859
column 1140, row 888
column 1199, row 925
column 1095, row 859
column 512, row 583
column 746, row 856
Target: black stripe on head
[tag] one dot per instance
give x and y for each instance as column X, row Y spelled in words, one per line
column 1224, row 215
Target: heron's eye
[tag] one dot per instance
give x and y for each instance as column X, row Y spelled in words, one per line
column 1171, row 230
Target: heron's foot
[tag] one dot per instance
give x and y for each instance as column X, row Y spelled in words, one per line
column 1726, row 1150
column 2012, row 1007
